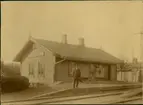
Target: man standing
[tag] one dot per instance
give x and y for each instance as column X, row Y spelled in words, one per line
column 76, row 77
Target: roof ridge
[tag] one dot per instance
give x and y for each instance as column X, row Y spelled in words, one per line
column 66, row 44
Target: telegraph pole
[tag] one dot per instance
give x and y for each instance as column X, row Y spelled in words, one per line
column 141, row 45
column 141, row 52
column 141, row 56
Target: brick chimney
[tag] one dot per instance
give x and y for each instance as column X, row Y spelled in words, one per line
column 64, row 39
column 81, row 41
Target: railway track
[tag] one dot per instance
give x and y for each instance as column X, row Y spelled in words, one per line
column 48, row 100
column 137, row 101
column 58, row 100
column 127, row 100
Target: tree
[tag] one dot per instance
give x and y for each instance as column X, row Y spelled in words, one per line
column 124, row 67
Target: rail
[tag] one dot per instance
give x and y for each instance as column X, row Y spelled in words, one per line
column 128, row 100
column 47, row 100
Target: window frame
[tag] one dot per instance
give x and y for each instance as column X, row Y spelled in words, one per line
column 31, row 70
column 71, row 66
column 41, row 70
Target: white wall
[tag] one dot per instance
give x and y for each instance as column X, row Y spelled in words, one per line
column 48, row 60
column 128, row 76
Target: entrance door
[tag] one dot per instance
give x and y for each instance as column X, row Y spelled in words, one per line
column 102, row 72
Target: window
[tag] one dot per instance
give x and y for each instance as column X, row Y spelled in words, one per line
column 41, row 70
column 31, row 70
column 72, row 66
column 100, row 71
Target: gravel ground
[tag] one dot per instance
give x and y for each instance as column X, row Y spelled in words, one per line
column 25, row 94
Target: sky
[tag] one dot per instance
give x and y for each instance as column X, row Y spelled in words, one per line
column 110, row 25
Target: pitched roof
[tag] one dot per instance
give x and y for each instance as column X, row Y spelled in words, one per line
column 78, row 53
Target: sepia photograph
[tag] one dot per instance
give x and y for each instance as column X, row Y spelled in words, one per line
column 71, row 52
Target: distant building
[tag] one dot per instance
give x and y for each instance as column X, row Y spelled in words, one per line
column 10, row 68
column 131, row 72
column 44, row 61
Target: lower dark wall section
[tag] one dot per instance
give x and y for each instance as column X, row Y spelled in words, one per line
column 103, row 72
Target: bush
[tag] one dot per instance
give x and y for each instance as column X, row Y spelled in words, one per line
column 16, row 83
